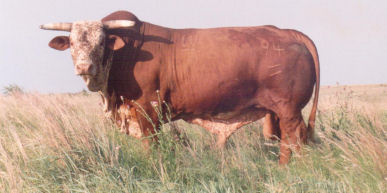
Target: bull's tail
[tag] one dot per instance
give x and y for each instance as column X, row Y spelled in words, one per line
column 313, row 50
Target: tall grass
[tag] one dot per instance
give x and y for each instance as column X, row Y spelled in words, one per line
column 63, row 143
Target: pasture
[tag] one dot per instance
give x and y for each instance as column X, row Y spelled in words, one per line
column 63, row 143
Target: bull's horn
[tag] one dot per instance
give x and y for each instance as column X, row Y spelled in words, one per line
column 114, row 24
column 57, row 26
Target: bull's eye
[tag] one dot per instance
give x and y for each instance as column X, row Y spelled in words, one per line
column 102, row 42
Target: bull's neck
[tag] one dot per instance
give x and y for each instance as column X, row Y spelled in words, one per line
column 147, row 52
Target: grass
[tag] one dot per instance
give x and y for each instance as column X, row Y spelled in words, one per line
column 63, row 143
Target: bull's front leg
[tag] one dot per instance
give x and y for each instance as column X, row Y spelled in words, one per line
column 149, row 124
column 128, row 121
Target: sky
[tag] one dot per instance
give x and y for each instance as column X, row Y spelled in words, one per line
column 350, row 35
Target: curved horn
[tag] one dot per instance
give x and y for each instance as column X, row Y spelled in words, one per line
column 57, row 26
column 114, row 24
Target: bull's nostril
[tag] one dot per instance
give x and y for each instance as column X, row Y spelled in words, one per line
column 83, row 69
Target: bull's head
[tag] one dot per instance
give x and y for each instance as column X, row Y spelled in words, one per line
column 90, row 45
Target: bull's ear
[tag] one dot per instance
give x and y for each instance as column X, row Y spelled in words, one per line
column 115, row 42
column 60, row 43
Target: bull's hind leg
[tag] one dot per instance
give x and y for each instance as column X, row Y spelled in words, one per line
column 293, row 134
column 271, row 128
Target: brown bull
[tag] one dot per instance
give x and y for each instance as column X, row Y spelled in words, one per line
column 219, row 78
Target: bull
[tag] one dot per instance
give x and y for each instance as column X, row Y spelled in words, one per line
column 218, row 78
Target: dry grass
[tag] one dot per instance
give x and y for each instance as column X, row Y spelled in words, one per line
column 63, row 143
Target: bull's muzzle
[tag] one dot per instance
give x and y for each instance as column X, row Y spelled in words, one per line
column 85, row 69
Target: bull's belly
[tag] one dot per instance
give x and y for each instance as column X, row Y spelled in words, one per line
column 226, row 123
column 218, row 100
column 235, row 116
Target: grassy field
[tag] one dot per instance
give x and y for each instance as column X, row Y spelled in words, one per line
column 63, row 143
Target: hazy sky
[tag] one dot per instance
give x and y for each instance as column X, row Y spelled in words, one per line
column 350, row 35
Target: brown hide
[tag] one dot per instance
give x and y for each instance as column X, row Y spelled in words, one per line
column 220, row 78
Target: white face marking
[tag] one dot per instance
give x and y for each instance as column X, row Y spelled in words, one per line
column 87, row 46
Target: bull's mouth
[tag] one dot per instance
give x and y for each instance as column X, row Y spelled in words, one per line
column 85, row 74
column 86, row 77
column 89, row 82
column 92, row 83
